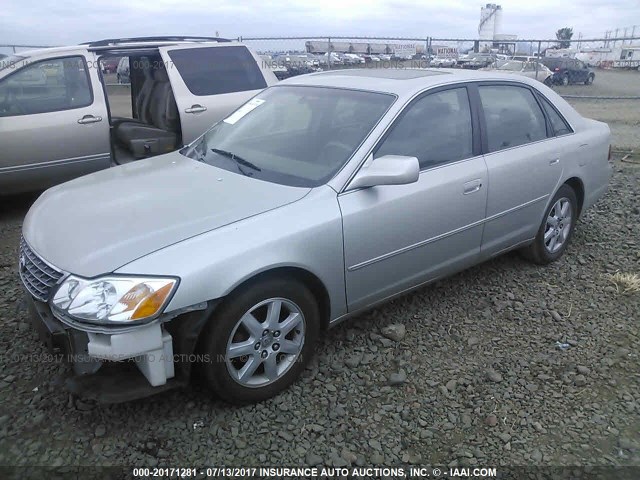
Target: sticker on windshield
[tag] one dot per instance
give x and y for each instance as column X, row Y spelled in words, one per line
column 243, row 110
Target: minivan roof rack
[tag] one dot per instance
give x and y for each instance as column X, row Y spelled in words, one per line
column 116, row 41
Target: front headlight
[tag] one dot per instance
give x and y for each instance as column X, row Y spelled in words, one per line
column 113, row 299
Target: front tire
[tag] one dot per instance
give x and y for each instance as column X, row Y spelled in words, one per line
column 556, row 229
column 259, row 340
column 589, row 80
column 565, row 80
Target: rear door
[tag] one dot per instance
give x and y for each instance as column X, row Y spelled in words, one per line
column 211, row 80
column 524, row 164
column 53, row 121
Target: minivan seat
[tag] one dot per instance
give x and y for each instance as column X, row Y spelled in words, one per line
column 161, row 135
column 142, row 102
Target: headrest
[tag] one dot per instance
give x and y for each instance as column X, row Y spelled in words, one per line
column 160, row 75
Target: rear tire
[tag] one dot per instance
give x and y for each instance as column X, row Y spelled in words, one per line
column 556, row 230
column 565, row 80
column 589, row 80
column 258, row 318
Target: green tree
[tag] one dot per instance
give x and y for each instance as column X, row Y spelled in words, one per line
column 564, row 35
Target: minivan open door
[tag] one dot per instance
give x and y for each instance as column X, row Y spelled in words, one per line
column 210, row 80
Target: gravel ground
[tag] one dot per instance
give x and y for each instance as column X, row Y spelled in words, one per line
column 465, row 372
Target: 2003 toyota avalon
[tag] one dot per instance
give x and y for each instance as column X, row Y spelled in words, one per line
column 319, row 198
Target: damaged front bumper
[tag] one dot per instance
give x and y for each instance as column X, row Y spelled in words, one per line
column 112, row 366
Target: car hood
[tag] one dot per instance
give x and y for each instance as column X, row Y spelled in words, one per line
column 97, row 223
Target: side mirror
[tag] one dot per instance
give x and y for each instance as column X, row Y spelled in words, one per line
column 387, row 170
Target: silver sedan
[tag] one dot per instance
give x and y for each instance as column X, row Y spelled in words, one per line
column 319, row 198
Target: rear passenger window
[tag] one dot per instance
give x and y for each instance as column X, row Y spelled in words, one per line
column 436, row 129
column 560, row 126
column 217, row 70
column 512, row 116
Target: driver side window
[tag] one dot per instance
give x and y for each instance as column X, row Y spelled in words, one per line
column 47, row 86
column 435, row 129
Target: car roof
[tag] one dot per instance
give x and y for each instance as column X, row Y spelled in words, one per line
column 123, row 44
column 398, row 81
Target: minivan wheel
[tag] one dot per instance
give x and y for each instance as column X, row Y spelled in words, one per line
column 556, row 229
column 589, row 80
column 259, row 340
column 565, row 80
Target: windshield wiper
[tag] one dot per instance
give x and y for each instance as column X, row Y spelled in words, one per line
column 237, row 159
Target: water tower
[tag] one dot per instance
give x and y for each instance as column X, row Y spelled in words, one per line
column 490, row 22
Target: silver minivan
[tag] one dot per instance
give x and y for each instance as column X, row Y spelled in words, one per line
column 59, row 113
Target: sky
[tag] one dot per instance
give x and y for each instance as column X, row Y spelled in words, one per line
column 64, row 22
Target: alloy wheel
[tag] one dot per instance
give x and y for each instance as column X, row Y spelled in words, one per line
column 558, row 225
column 265, row 342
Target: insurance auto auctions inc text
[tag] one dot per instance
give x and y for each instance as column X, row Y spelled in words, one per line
column 393, row 472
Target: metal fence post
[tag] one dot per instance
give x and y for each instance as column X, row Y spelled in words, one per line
column 538, row 60
column 329, row 53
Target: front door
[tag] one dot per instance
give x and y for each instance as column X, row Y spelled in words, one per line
column 53, row 122
column 399, row 236
column 210, row 81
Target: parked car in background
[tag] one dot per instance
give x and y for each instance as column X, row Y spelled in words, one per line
column 355, row 58
column 335, row 59
column 291, row 64
column 371, row 59
column 110, row 65
column 527, row 69
column 444, row 62
column 476, row 60
column 569, row 70
column 244, row 246
column 525, row 58
column 55, row 123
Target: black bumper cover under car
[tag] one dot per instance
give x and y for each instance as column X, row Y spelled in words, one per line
column 115, row 382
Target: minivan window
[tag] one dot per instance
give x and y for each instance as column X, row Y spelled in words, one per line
column 435, row 129
column 512, row 116
column 217, row 70
column 46, row 86
column 322, row 128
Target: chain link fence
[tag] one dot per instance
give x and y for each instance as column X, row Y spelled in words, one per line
column 600, row 77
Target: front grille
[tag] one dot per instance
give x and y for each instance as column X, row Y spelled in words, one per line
column 38, row 277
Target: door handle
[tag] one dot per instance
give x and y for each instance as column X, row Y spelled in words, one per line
column 195, row 109
column 554, row 161
column 472, row 187
column 89, row 119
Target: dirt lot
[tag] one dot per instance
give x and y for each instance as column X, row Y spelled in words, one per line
column 480, row 377
column 623, row 116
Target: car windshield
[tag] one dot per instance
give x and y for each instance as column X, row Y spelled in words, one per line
column 292, row 135
column 512, row 66
column 10, row 61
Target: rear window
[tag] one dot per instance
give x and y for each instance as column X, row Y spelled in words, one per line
column 552, row 63
column 218, row 70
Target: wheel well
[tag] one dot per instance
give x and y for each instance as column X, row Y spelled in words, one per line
column 576, row 184
column 308, row 279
